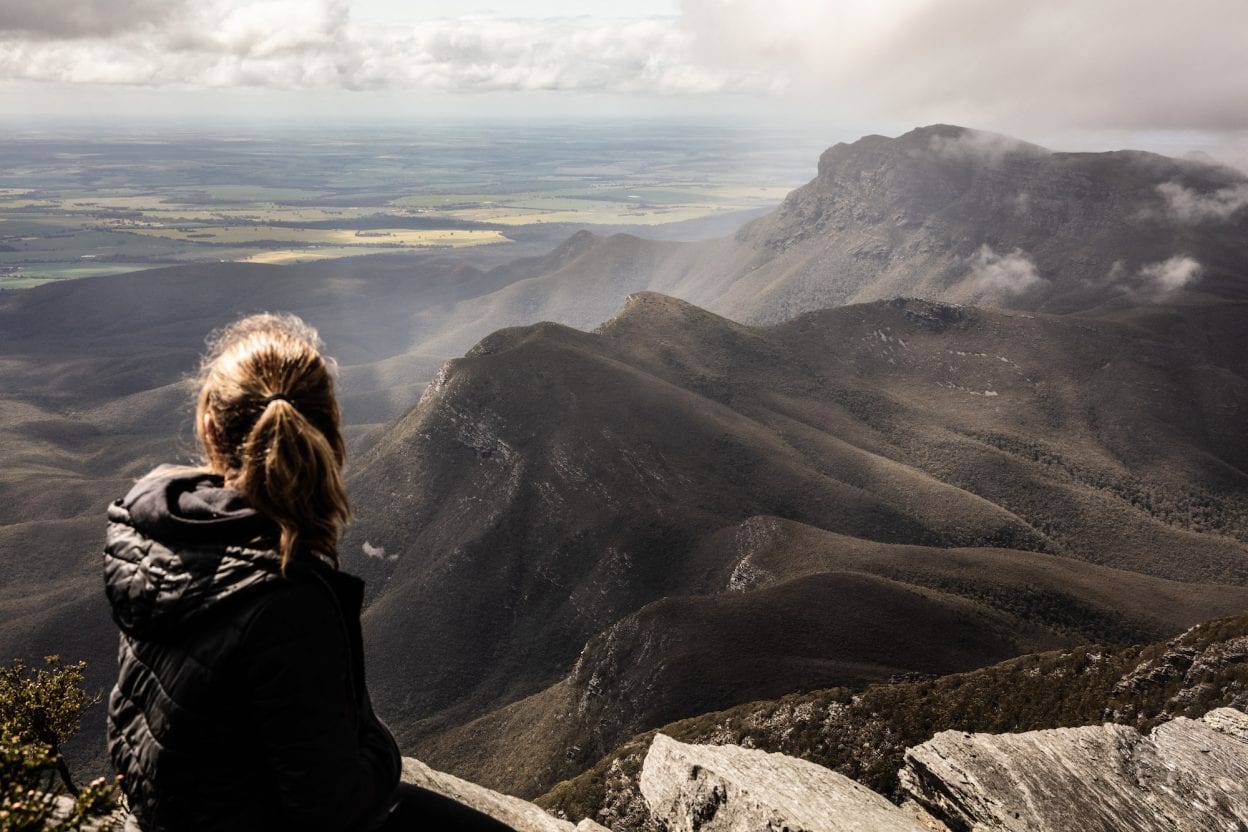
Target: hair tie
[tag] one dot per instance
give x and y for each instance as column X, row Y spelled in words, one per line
column 278, row 397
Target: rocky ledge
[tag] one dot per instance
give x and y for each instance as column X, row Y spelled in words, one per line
column 726, row 788
column 1188, row 774
column 521, row 815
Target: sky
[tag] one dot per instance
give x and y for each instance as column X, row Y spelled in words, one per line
column 1159, row 73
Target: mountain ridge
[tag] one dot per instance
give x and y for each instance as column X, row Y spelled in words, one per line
column 518, row 479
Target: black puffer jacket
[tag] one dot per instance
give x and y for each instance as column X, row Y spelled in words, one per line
column 240, row 701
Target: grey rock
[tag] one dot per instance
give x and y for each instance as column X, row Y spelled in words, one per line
column 1187, row 775
column 732, row 789
column 521, row 815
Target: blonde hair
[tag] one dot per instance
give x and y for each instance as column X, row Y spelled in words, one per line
column 273, row 429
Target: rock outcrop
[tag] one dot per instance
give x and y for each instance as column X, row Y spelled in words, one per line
column 1186, row 775
column 521, row 815
column 707, row 788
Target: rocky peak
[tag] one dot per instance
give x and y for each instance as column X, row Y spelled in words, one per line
column 934, row 143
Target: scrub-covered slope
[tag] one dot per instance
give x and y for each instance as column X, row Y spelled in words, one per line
column 553, row 484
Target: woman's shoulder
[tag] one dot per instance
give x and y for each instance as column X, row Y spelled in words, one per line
column 179, row 506
column 168, row 562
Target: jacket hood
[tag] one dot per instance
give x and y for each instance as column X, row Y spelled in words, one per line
column 181, row 544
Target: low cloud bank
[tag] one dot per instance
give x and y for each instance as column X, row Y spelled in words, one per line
column 981, row 147
column 378, row 552
column 1156, row 282
column 1006, row 275
column 1189, row 206
column 1169, row 276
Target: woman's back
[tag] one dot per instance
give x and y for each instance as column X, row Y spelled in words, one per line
column 240, row 701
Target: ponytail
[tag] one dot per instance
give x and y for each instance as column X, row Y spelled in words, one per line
column 272, row 430
column 291, row 473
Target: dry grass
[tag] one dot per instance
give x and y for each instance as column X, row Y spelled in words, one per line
column 382, row 237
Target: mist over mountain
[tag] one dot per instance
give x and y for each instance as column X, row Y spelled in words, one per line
column 974, row 217
column 943, row 213
column 736, row 487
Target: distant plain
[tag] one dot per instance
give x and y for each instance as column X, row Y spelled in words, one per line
column 77, row 202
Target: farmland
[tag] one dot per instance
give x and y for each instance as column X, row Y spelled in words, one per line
column 81, row 203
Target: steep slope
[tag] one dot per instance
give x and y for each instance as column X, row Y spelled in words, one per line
column 553, row 482
column 948, row 213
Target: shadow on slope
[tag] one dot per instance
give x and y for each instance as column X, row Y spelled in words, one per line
column 805, row 609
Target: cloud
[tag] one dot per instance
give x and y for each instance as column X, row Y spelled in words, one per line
column 1005, row 66
column 573, row 54
column 1189, row 206
column 1063, row 63
column 312, row 44
column 68, row 19
column 981, row 147
column 378, row 552
column 1169, row 276
column 1155, row 282
column 1005, row 276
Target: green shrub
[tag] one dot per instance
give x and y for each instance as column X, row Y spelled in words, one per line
column 40, row 708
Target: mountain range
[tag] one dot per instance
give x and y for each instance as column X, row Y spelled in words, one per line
column 677, row 512
column 957, row 399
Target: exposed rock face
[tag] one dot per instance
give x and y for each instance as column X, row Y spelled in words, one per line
column 1186, row 775
column 714, row 788
column 519, row 814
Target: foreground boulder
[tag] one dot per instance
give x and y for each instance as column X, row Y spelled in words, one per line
column 519, row 814
column 1186, row 775
column 710, row 788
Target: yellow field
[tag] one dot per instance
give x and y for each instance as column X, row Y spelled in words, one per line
column 378, row 238
column 646, row 207
column 602, row 214
column 289, row 256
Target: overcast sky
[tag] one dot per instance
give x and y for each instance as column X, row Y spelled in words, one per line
column 1162, row 70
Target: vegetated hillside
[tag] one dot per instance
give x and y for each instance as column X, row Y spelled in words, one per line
column 864, row 733
column 553, row 483
column 837, row 611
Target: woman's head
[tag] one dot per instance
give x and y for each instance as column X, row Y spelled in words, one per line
column 267, row 420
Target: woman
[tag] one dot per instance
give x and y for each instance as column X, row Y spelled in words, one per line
column 240, row 701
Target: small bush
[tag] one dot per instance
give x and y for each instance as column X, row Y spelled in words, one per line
column 40, row 708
